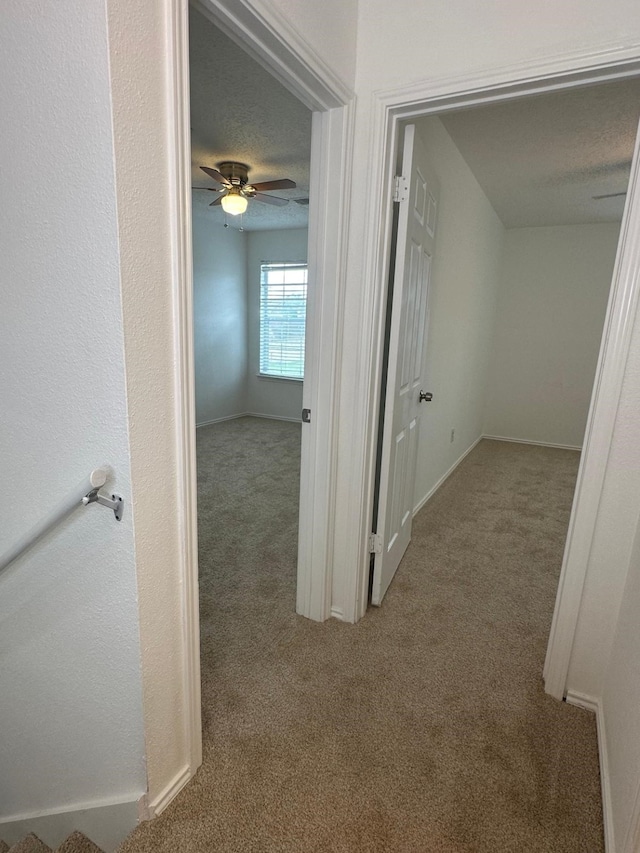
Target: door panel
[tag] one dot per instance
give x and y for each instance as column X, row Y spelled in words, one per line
column 407, row 340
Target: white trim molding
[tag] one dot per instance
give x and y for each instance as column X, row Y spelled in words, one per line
column 220, row 420
column 160, row 802
column 331, row 153
column 533, row 443
column 181, row 244
column 247, row 415
column 380, row 124
column 581, row 700
column 265, row 417
column 268, row 36
column 589, row 703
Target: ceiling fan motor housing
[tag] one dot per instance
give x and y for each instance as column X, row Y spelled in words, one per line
column 236, row 173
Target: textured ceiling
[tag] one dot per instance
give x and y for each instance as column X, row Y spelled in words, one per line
column 240, row 112
column 540, row 160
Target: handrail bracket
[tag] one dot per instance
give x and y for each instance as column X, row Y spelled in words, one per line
column 115, row 502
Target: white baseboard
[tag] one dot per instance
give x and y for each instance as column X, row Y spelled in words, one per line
column 337, row 613
column 444, row 477
column 219, row 420
column 159, row 803
column 589, row 703
column 534, row 443
column 144, row 812
column 272, row 417
column 581, row 700
column 247, row 415
column 107, row 824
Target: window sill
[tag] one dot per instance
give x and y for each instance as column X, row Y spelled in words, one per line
column 268, row 377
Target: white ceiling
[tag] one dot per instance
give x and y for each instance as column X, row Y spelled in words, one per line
column 240, row 112
column 540, row 160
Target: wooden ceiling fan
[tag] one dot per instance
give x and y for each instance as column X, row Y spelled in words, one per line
column 236, row 191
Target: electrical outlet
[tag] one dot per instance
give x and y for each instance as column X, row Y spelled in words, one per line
column 453, row 435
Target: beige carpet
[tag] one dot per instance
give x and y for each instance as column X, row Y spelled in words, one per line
column 423, row 728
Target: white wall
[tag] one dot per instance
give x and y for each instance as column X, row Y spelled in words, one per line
column 226, row 282
column 330, row 28
column 454, row 38
column 220, row 319
column 276, row 397
column 621, row 707
column 462, row 305
column 555, row 284
column 70, row 705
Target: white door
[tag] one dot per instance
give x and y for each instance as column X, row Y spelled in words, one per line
column 418, row 192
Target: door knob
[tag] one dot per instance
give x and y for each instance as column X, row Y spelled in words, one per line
column 425, row 397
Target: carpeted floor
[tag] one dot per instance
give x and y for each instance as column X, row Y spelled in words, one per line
column 425, row 728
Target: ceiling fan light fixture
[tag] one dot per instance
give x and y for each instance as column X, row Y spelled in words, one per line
column 234, row 202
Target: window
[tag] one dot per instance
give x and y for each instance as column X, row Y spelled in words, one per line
column 283, row 308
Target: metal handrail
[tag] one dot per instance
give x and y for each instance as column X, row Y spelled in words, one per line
column 85, row 493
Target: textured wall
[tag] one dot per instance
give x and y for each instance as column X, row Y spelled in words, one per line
column 70, row 706
column 555, row 285
column 277, row 397
column 462, row 307
column 220, row 319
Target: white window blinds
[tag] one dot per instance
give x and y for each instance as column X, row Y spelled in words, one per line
column 283, row 308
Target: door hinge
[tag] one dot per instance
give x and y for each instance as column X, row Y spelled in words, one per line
column 306, row 416
column 400, row 188
column 375, row 543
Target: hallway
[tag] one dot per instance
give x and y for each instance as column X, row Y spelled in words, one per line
column 424, row 728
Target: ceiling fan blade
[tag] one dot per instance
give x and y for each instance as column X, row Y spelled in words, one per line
column 208, row 189
column 284, row 184
column 215, row 174
column 271, row 199
column 217, row 201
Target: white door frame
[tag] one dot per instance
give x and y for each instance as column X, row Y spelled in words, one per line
column 432, row 97
column 271, row 41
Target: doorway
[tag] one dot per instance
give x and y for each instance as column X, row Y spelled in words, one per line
column 534, row 194
column 250, row 141
column 177, row 653
column 251, row 145
column 411, row 103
